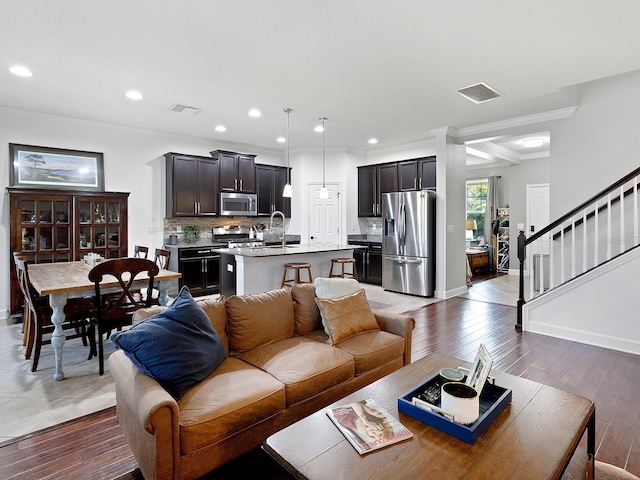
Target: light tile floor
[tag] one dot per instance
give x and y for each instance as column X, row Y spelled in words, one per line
column 32, row 401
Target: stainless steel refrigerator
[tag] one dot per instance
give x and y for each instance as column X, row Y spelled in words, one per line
column 408, row 242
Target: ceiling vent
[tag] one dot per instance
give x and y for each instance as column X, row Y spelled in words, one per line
column 479, row 93
column 176, row 107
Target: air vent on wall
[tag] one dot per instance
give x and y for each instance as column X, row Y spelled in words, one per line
column 176, row 107
column 479, row 93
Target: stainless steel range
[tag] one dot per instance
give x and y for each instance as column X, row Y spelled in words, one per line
column 233, row 237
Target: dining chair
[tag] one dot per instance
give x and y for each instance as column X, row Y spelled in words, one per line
column 162, row 258
column 77, row 311
column 116, row 311
column 140, row 251
column 25, row 309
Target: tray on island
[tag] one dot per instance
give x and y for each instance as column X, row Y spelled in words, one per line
column 493, row 400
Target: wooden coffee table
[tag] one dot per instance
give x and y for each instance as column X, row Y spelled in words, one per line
column 533, row 438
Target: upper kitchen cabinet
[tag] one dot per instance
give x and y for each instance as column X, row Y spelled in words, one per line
column 237, row 171
column 417, row 174
column 192, row 185
column 270, row 181
column 373, row 181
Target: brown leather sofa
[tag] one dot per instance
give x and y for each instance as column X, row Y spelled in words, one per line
column 281, row 367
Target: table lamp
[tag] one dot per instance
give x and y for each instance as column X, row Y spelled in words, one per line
column 471, row 225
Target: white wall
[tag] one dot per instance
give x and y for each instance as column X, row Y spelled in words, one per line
column 596, row 308
column 599, row 144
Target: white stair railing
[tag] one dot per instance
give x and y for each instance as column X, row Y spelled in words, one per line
column 571, row 246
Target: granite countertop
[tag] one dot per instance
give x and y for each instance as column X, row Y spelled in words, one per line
column 277, row 250
column 365, row 238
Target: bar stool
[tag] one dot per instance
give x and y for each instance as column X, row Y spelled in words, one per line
column 342, row 262
column 296, row 267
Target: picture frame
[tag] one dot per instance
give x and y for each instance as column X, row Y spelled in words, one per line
column 480, row 370
column 44, row 167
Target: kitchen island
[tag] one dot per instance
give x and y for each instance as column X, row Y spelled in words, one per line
column 259, row 269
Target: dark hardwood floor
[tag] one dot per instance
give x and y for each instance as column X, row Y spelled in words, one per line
column 94, row 447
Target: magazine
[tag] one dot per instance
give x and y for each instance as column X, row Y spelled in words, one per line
column 368, row 426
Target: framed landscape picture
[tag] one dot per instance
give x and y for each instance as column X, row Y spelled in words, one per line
column 43, row 167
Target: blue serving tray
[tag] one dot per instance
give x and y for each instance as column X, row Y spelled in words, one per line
column 493, row 400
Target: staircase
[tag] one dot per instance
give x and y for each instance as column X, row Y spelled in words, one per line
column 583, row 271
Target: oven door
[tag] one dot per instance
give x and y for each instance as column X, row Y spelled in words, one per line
column 240, row 204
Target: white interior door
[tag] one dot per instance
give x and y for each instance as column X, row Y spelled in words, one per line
column 538, row 214
column 324, row 215
column 538, row 206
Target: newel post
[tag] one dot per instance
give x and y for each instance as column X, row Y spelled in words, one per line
column 521, row 257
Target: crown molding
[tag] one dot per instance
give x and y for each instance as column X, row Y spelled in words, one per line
column 514, row 122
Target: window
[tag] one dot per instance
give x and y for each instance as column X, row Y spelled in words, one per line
column 476, row 203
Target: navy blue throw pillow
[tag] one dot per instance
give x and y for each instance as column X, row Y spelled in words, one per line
column 178, row 347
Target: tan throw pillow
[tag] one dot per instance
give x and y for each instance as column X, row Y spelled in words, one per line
column 259, row 319
column 346, row 316
column 305, row 310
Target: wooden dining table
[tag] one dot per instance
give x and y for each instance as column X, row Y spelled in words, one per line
column 64, row 280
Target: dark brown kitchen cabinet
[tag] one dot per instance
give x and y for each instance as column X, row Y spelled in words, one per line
column 417, row 174
column 270, row 181
column 373, row 181
column 237, row 171
column 192, row 185
column 48, row 226
column 199, row 267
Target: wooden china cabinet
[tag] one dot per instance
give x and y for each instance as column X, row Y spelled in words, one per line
column 64, row 225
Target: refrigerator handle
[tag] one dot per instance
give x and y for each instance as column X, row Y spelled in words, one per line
column 402, row 226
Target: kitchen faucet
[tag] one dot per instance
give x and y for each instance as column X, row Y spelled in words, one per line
column 283, row 236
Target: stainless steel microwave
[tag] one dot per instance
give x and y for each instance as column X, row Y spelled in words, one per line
column 238, row 204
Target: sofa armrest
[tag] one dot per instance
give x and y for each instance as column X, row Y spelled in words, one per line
column 398, row 324
column 148, row 416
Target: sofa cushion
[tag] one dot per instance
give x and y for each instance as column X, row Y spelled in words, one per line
column 178, row 347
column 305, row 366
column 346, row 316
column 260, row 319
column 217, row 312
column 305, row 311
column 372, row 349
column 335, row 287
column 234, row 397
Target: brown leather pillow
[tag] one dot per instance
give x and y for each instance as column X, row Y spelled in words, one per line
column 346, row 316
column 259, row 319
column 305, row 310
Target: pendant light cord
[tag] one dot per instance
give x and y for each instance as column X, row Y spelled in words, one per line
column 323, row 168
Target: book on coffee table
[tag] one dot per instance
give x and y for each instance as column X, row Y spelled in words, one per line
column 368, row 426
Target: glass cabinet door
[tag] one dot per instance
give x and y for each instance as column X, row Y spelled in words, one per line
column 45, row 229
column 99, row 227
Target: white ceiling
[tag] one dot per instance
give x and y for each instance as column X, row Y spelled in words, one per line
column 374, row 68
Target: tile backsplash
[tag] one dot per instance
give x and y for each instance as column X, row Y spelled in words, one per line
column 172, row 225
column 374, row 226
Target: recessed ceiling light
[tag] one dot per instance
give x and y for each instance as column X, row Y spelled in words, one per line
column 318, row 129
column 254, row 113
column 20, row 71
column 134, row 95
column 532, row 142
column 221, row 128
column 281, row 139
column 373, row 140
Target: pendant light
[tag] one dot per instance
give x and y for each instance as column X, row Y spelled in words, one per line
column 287, row 190
column 324, row 193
